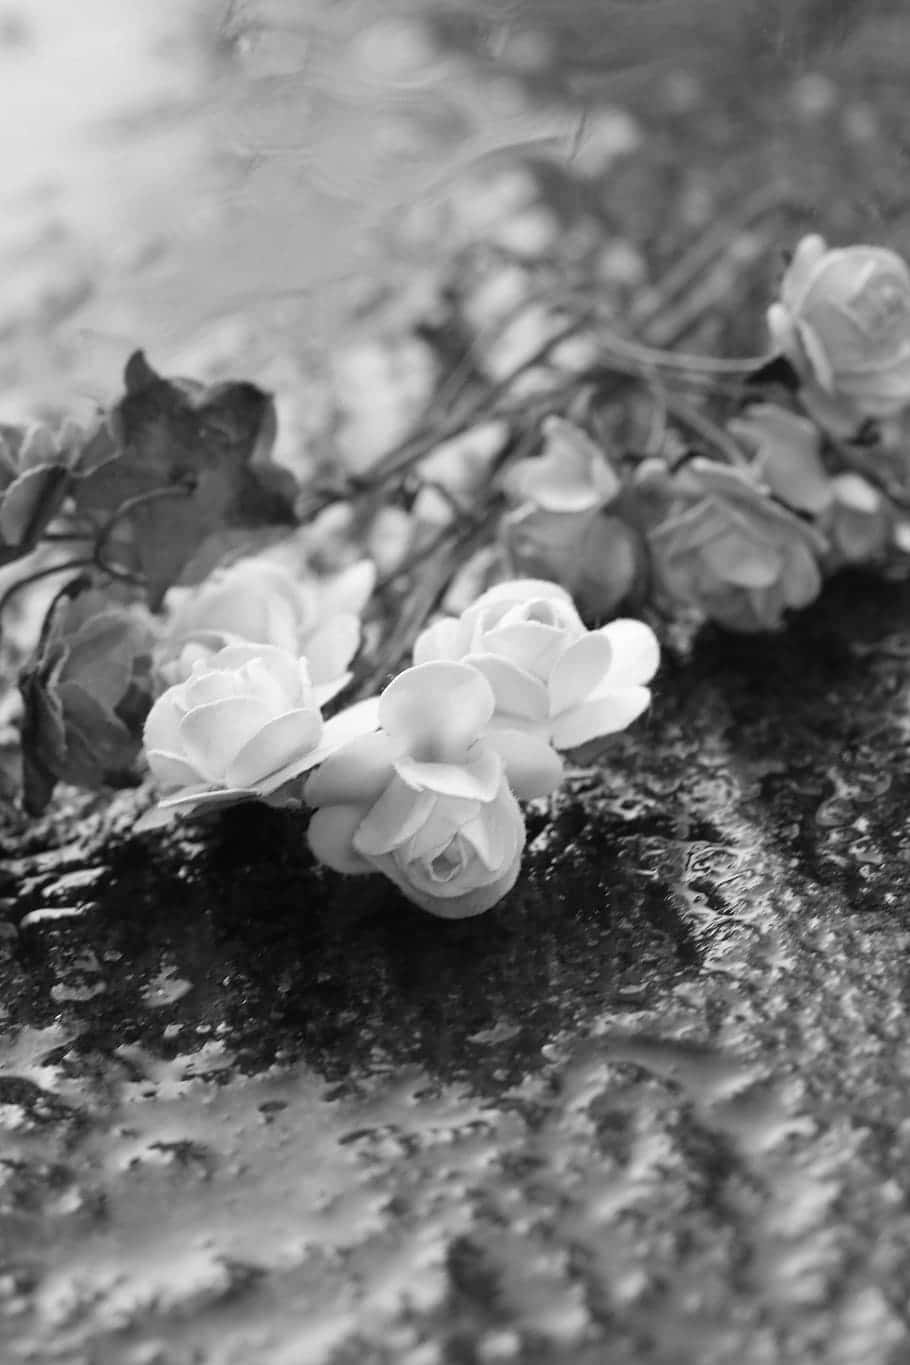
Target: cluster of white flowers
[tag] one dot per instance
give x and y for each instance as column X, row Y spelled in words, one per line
column 422, row 783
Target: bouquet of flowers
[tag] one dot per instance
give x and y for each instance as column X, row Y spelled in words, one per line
column 408, row 650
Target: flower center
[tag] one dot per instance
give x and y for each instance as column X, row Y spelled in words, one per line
column 541, row 613
column 450, row 862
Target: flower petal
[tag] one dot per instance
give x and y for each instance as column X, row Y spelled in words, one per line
column 636, row 652
column 331, row 839
column 358, row 720
column 170, row 771
column 398, row 813
column 496, row 831
column 442, row 640
column 579, row 671
column 601, row 716
column 331, row 647
column 531, row 645
column 156, row 817
column 521, row 590
column 208, row 797
column 438, row 833
column 206, row 684
column 802, row 580
column 435, row 711
column 280, row 742
column 746, row 563
column 162, row 724
column 517, row 692
column 324, row 692
column 212, row 735
column 188, row 802
column 477, row 779
column 283, row 666
column 802, row 270
column 356, row 774
column 532, row 767
column 346, row 593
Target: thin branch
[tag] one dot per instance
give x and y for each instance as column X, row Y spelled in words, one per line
column 709, row 431
column 706, row 249
column 15, row 588
column 100, row 559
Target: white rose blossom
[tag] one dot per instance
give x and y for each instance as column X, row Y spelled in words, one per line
column 559, row 527
column 242, row 724
column 843, row 319
column 430, row 798
column 551, row 676
column 259, row 601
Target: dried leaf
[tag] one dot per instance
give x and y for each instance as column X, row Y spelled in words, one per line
column 43, row 734
column 34, row 480
column 190, row 460
column 27, row 505
column 85, row 694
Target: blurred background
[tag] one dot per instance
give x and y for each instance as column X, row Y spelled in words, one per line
column 229, row 185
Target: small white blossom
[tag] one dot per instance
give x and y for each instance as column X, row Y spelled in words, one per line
column 558, row 527
column 843, row 319
column 721, row 544
column 429, row 800
column 551, row 676
column 258, row 601
column 243, row 723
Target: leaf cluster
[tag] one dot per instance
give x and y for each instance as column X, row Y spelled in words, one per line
column 174, row 465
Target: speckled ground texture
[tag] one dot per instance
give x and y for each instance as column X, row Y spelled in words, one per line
column 653, row 1108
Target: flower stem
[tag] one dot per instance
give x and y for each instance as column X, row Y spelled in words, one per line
column 38, row 574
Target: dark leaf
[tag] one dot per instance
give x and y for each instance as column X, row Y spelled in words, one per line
column 101, row 654
column 99, row 747
column 43, row 731
column 28, row 504
column 34, row 481
column 190, row 460
column 95, row 449
column 86, row 693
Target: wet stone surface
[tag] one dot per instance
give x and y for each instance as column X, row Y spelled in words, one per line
column 653, row 1108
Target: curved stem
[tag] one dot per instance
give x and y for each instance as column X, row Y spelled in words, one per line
column 709, row 431
column 704, row 252
column 37, row 575
column 181, row 490
column 679, row 360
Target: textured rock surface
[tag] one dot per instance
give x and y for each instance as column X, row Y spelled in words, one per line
column 652, row 1109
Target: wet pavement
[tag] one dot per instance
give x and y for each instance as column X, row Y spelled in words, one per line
column 652, row 1108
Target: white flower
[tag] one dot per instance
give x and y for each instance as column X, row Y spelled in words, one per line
column 243, row 723
column 843, row 319
column 787, row 455
column 551, row 676
column 428, row 800
column 258, row 601
column 723, row 545
column 559, row 528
